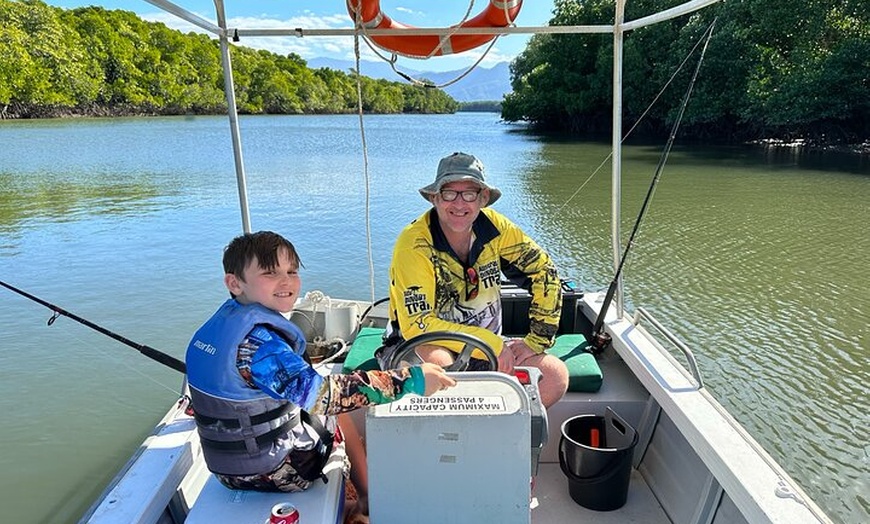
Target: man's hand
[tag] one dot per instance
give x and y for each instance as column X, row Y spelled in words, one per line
column 506, row 358
column 514, row 352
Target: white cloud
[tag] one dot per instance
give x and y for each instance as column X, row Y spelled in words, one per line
column 409, row 11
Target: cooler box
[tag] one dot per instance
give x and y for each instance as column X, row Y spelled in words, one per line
column 515, row 302
column 459, row 456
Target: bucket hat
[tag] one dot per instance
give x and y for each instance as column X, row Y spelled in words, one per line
column 459, row 167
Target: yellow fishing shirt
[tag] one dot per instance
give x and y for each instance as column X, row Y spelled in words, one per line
column 431, row 289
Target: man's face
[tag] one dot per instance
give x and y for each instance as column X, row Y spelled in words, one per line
column 458, row 214
column 275, row 288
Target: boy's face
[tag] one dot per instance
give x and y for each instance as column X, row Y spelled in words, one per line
column 275, row 289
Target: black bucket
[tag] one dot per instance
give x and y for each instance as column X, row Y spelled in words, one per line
column 595, row 454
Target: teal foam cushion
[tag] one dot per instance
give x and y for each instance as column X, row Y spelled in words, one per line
column 584, row 375
column 362, row 351
column 583, row 371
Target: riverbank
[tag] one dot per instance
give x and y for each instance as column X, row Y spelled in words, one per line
column 809, row 145
column 10, row 112
column 97, row 111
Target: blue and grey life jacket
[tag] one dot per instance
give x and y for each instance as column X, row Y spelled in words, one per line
column 243, row 431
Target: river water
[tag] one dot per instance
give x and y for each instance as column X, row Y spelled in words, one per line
column 757, row 258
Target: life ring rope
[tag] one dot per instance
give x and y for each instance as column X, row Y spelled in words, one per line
column 367, row 14
column 374, row 22
column 445, row 40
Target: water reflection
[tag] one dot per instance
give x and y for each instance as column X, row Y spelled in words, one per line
column 28, row 198
column 806, row 158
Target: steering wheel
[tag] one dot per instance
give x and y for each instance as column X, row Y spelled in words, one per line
column 405, row 352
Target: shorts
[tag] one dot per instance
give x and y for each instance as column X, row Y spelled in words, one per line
column 285, row 478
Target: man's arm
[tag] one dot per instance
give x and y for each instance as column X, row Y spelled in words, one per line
column 520, row 254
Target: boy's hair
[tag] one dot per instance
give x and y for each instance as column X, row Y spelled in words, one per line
column 264, row 245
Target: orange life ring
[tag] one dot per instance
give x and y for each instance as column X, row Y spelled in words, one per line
column 422, row 46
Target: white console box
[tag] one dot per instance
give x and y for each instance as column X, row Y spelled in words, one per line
column 459, row 456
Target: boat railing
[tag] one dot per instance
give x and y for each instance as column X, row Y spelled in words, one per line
column 679, row 344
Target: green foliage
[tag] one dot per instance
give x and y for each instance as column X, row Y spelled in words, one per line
column 427, row 100
column 95, row 61
column 42, row 63
column 774, row 68
column 481, row 106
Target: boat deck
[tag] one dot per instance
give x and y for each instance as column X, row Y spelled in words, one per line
column 552, row 503
column 555, row 505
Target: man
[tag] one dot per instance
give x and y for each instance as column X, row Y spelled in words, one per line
column 446, row 276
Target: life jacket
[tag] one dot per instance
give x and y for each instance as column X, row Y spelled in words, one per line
column 243, row 431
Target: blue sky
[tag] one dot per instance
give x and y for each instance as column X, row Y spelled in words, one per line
column 321, row 14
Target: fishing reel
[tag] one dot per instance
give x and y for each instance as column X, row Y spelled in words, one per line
column 598, row 342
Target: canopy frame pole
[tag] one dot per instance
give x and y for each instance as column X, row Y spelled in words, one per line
column 232, row 112
column 616, row 162
column 172, row 7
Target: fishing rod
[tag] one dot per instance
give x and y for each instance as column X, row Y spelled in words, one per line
column 599, row 339
column 148, row 351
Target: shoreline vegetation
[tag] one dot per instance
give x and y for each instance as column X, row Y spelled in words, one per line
column 99, row 62
column 761, row 82
column 775, row 70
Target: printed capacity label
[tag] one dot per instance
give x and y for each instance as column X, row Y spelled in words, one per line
column 486, row 404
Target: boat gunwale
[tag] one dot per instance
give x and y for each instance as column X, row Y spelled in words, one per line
column 761, row 489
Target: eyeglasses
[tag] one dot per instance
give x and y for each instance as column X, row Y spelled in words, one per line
column 472, row 279
column 449, row 195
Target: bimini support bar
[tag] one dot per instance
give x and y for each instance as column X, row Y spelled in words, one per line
column 616, row 157
column 618, row 29
column 184, row 14
column 187, row 16
column 667, row 14
column 233, row 113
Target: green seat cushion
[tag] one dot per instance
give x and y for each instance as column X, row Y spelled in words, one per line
column 584, row 375
column 583, row 371
column 362, row 350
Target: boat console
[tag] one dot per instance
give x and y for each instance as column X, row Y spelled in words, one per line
column 461, row 455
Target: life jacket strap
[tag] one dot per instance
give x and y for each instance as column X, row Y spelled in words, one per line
column 234, row 423
column 241, row 446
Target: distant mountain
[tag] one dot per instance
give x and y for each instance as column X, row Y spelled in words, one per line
column 481, row 84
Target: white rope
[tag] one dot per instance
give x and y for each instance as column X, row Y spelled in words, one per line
column 314, row 297
column 446, row 38
column 344, row 349
column 394, row 54
column 362, row 132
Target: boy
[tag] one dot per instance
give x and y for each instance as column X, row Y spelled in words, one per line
column 248, row 379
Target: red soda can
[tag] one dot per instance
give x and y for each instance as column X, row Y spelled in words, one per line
column 284, row 513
